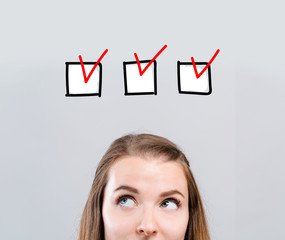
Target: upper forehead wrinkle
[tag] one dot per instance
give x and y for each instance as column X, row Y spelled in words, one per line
column 134, row 190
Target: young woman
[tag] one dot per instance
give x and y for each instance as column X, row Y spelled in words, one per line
column 143, row 189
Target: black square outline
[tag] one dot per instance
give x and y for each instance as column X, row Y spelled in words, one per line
column 189, row 92
column 125, row 78
column 83, row 94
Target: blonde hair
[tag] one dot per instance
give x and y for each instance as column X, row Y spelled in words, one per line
column 92, row 226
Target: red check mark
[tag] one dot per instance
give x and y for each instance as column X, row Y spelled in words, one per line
column 206, row 67
column 86, row 78
column 152, row 60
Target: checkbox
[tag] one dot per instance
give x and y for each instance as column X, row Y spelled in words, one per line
column 136, row 84
column 75, row 84
column 188, row 83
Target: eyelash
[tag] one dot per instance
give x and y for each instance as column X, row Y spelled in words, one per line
column 119, row 199
column 176, row 201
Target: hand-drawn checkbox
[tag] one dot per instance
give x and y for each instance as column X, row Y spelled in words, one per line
column 75, row 84
column 188, row 83
column 136, row 84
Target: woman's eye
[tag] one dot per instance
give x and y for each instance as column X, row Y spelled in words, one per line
column 169, row 204
column 126, row 202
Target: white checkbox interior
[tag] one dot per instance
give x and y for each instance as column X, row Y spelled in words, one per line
column 189, row 81
column 137, row 83
column 76, row 81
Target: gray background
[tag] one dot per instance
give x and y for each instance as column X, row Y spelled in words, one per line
column 51, row 144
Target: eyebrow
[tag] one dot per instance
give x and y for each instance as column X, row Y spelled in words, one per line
column 134, row 190
column 128, row 188
column 171, row 192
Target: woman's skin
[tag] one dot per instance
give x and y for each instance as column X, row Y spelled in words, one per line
column 145, row 199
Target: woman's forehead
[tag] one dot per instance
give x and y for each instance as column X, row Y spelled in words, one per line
column 147, row 172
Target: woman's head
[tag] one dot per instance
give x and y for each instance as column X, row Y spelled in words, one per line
column 143, row 189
